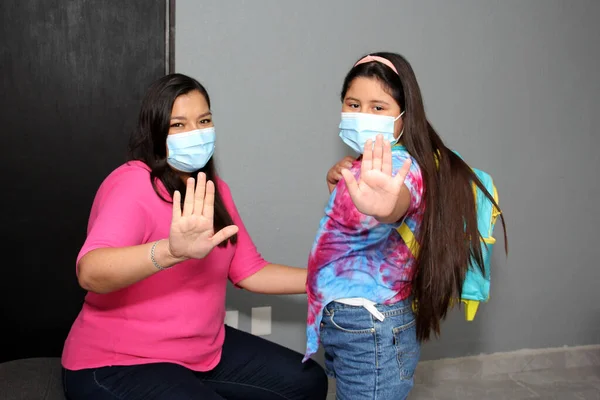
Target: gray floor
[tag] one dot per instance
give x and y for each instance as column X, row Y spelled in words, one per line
column 559, row 384
column 551, row 384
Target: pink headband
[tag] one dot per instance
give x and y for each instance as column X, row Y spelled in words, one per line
column 382, row 60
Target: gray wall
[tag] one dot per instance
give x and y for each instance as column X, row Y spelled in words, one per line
column 512, row 85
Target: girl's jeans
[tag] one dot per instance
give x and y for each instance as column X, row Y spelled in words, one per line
column 370, row 359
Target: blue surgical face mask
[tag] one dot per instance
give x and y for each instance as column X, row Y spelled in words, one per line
column 357, row 128
column 190, row 151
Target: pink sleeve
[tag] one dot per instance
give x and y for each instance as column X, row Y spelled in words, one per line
column 246, row 259
column 118, row 216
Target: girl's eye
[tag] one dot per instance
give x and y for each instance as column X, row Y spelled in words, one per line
column 353, row 105
column 176, row 125
column 205, row 121
column 378, row 108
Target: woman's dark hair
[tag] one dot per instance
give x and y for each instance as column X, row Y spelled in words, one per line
column 448, row 236
column 148, row 142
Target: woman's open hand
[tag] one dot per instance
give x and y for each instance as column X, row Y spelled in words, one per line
column 192, row 231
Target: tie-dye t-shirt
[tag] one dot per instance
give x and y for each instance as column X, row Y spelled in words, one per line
column 354, row 255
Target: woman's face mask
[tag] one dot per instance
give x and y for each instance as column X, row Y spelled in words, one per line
column 190, row 151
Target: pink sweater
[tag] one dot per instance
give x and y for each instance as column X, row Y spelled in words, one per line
column 173, row 316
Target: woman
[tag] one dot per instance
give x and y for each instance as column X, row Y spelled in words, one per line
column 362, row 277
column 151, row 326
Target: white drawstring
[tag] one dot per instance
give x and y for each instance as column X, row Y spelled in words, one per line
column 362, row 302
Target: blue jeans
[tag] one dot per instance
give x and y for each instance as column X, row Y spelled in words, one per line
column 370, row 359
column 250, row 368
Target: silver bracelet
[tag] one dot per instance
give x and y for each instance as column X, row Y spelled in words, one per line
column 156, row 264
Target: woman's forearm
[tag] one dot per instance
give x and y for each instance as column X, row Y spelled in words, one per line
column 330, row 186
column 107, row 270
column 276, row 279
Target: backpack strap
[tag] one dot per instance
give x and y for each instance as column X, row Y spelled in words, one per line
column 409, row 239
column 413, row 245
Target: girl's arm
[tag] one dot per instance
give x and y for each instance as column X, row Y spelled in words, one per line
column 399, row 209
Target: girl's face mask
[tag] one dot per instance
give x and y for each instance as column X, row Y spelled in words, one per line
column 357, row 128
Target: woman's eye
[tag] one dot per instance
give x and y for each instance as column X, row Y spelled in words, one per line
column 176, row 125
column 205, row 121
column 353, row 105
column 378, row 108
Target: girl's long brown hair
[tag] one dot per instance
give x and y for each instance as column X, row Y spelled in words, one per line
column 448, row 237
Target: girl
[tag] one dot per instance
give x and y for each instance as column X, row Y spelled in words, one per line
column 362, row 278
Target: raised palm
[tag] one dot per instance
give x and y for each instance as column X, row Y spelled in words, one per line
column 376, row 193
column 192, row 230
